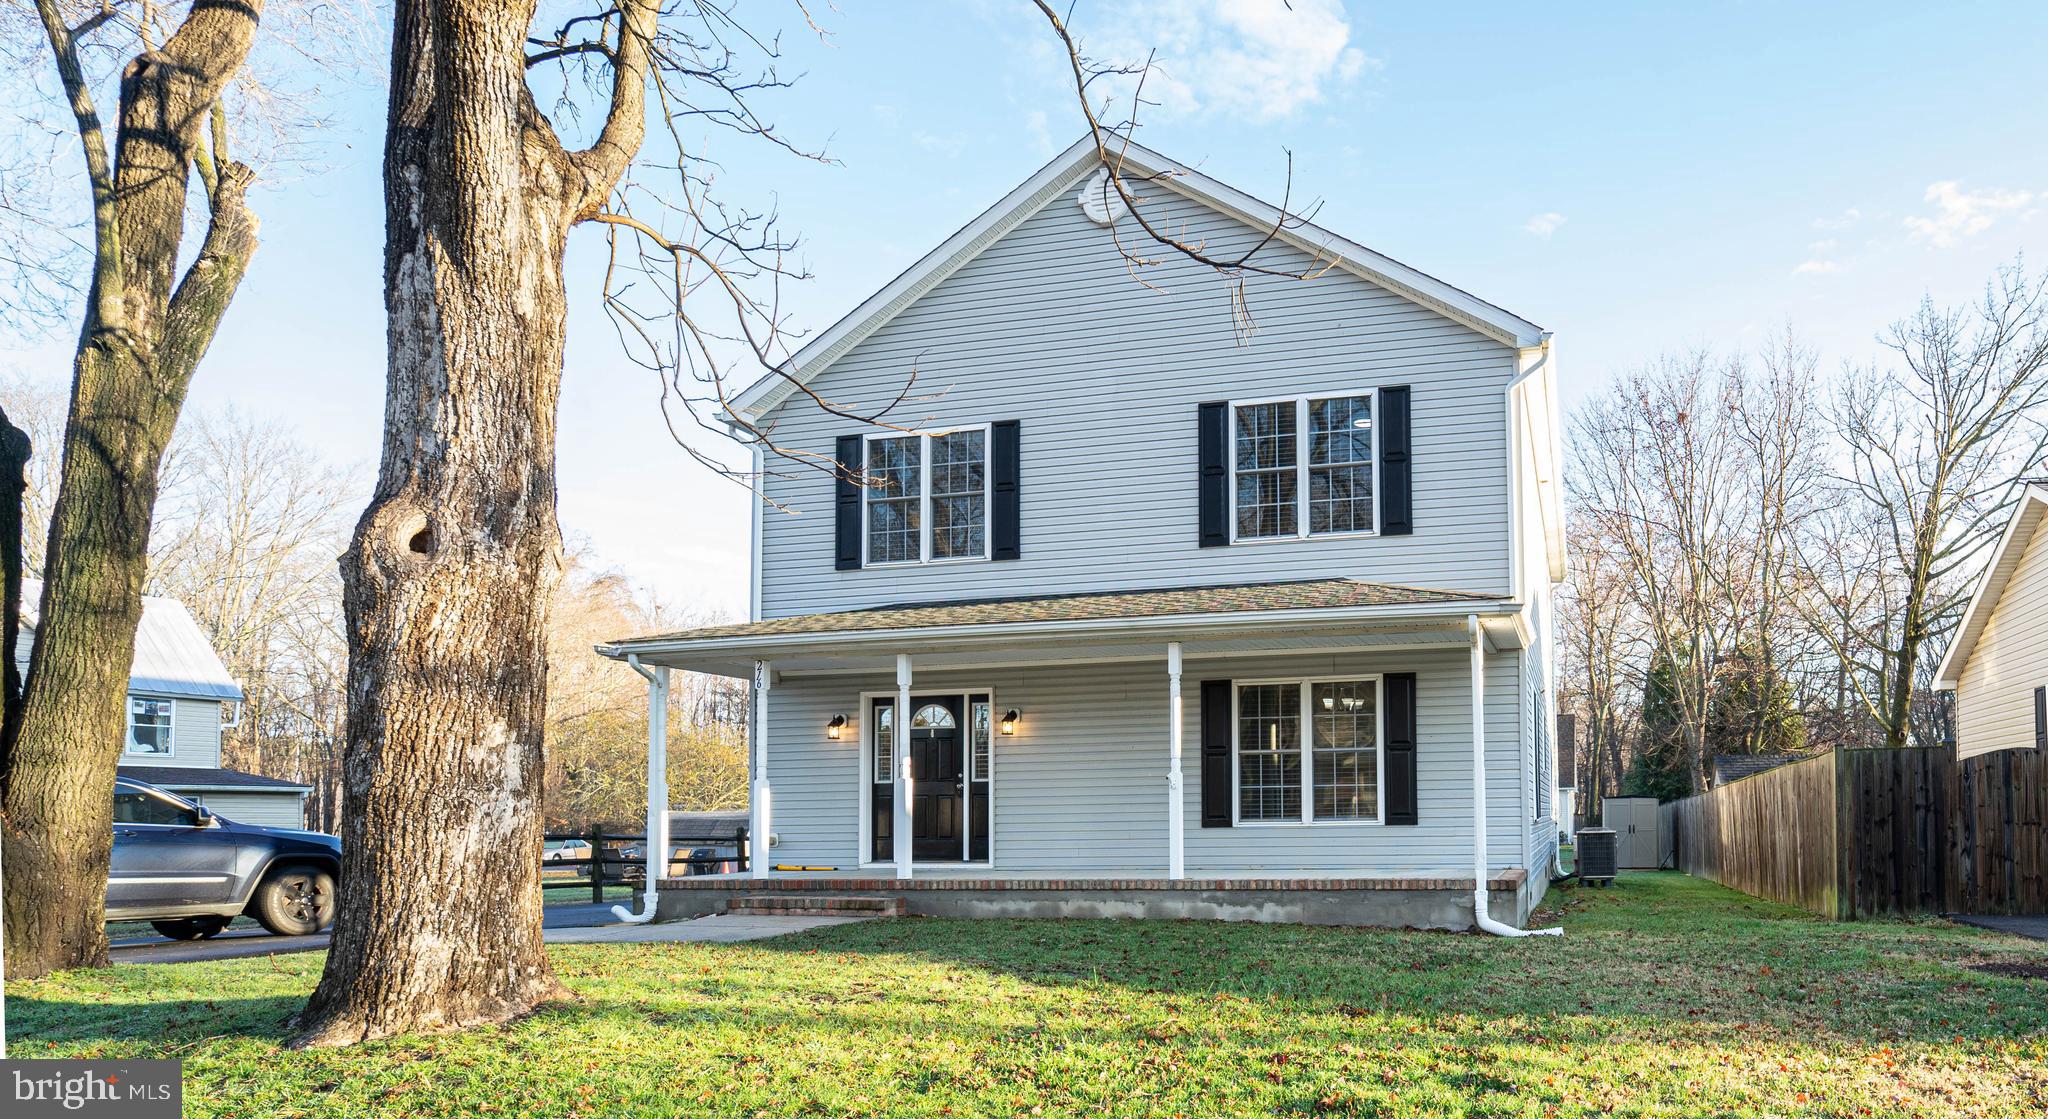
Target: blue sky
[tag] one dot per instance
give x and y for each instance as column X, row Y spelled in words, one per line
column 1637, row 178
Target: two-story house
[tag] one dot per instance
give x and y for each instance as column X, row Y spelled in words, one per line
column 1120, row 608
column 180, row 696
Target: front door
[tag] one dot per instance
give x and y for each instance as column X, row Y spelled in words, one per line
column 939, row 791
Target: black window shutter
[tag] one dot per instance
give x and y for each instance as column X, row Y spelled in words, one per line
column 1216, row 753
column 846, row 523
column 2041, row 718
column 1211, row 446
column 1004, row 526
column 1397, row 485
column 1400, row 689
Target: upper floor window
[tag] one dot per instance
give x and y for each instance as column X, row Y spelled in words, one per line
column 149, row 726
column 928, row 497
column 1302, row 467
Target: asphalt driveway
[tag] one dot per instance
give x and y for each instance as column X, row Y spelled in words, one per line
column 2034, row 925
column 239, row 942
column 565, row 924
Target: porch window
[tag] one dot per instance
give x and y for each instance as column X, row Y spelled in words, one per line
column 149, row 726
column 1332, row 776
column 884, row 742
column 928, row 497
column 978, row 726
column 1303, row 467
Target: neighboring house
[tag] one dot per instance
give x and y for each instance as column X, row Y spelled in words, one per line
column 1185, row 620
column 1735, row 767
column 178, row 693
column 1998, row 662
column 1567, row 774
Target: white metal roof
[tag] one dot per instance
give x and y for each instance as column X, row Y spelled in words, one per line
column 2033, row 505
column 1066, row 171
column 172, row 654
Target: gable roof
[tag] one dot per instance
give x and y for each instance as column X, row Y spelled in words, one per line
column 1066, row 172
column 172, row 654
column 2026, row 517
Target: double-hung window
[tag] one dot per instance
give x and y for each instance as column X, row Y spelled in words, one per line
column 1308, row 751
column 927, row 497
column 149, row 726
column 1302, row 466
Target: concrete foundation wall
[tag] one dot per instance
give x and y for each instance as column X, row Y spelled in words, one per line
column 1387, row 908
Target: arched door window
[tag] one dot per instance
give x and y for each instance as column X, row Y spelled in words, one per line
column 932, row 716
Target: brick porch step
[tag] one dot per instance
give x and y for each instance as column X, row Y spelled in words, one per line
column 813, row 905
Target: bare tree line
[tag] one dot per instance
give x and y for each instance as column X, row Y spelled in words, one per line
column 452, row 574
column 248, row 526
column 1766, row 559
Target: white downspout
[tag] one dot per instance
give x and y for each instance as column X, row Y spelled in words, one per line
column 1480, row 917
column 657, row 790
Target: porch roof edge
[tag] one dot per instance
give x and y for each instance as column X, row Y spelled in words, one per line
column 1164, row 626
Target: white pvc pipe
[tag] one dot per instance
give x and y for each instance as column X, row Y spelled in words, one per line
column 1480, row 917
column 657, row 793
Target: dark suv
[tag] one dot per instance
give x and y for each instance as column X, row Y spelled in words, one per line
column 189, row 872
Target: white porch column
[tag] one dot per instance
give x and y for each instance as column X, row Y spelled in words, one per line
column 657, row 791
column 904, row 781
column 1176, row 803
column 1479, row 876
column 657, row 781
column 761, row 796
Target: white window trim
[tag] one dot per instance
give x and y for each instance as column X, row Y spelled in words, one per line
column 867, row 776
column 128, row 726
column 1301, row 465
column 1305, row 686
column 924, row 495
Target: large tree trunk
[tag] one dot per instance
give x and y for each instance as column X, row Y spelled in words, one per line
column 140, row 344
column 453, row 565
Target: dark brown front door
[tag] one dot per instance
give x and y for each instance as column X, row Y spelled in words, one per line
column 939, row 792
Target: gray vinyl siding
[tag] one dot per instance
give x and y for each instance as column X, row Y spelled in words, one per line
column 273, row 810
column 195, row 729
column 1104, row 373
column 1082, row 787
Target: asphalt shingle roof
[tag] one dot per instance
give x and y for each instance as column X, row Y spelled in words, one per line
column 1307, row 594
column 181, row 776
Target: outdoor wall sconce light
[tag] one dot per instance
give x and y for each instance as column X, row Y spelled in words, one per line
column 836, row 727
column 1009, row 724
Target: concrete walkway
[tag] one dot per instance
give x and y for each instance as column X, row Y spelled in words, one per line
column 2035, row 927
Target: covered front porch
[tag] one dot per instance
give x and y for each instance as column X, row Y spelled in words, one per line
column 1107, row 755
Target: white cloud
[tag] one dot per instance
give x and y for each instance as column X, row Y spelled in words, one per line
column 1264, row 59
column 1036, row 124
column 1544, row 224
column 1959, row 213
column 1816, row 266
column 1847, row 218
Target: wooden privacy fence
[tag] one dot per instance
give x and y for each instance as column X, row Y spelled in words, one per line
column 1860, row 833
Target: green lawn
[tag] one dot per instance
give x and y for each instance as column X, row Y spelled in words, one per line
column 1666, row 997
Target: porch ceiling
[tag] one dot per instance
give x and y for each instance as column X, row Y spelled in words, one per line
column 1301, row 616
